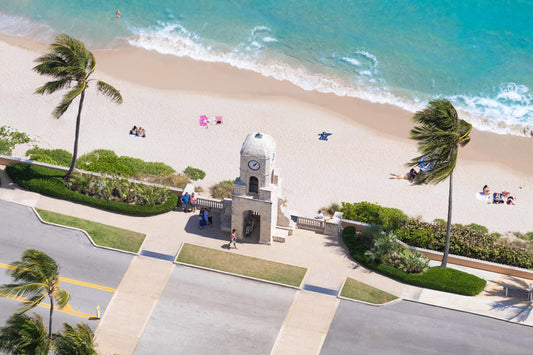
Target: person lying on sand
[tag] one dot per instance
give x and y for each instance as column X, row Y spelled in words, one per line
column 410, row 176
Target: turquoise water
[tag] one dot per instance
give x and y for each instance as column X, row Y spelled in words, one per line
column 478, row 54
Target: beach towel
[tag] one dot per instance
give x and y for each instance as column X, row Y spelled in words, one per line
column 324, row 136
column 203, row 121
column 484, row 198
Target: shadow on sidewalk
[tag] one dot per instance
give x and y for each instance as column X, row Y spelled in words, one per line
column 515, row 302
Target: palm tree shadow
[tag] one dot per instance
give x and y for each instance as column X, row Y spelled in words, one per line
column 515, row 303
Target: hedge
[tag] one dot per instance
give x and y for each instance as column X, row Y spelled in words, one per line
column 470, row 241
column 50, row 182
column 448, row 280
column 366, row 212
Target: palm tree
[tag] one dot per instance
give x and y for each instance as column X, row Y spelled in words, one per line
column 24, row 335
column 37, row 275
column 440, row 133
column 74, row 341
column 71, row 64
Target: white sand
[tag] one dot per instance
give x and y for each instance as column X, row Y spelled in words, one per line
column 367, row 142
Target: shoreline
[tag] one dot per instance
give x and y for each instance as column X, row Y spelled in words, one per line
column 228, row 81
column 166, row 94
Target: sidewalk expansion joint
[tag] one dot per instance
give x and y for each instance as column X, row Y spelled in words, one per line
column 327, row 291
column 153, row 254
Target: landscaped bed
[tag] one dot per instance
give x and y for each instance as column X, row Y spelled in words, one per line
column 449, row 280
column 101, row 234
column 50, row 182
column 241, row 265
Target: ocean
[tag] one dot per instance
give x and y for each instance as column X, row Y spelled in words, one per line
column 478, row 54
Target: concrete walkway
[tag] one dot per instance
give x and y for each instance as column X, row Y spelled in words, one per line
column 313, row 307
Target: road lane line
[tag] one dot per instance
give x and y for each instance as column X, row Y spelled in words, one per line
column 87, row 284
column 67, row 309
column 71, row 281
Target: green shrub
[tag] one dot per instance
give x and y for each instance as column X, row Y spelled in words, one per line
column 332, row 208
column 466, row 241
column 140, row 166
column 50, row 182
column 50, row 156
column 104, row 161
column 9, row 138
column 478, row 227
column 386, row 250
column 449, row 280
column 194, row 174
column 222, row 190
column 388, row 218
column 174, row 180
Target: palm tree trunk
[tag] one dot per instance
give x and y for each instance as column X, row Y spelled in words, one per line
column 76, row 138
column 50, row 320
column 448, row 226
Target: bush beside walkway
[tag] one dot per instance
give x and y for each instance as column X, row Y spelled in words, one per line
column 448, row 280
column 50, row 182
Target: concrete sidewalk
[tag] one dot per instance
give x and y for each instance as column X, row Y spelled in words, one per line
column 311, row 313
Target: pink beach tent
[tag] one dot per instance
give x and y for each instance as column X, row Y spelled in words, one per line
column 218, row 120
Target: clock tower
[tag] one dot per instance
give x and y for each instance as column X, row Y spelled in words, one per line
column 257, row 212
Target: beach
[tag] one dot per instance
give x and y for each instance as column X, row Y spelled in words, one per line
column 166, row 95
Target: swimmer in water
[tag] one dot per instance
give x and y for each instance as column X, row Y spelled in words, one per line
column 118, row 13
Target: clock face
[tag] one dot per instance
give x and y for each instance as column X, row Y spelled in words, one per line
column 254, row 165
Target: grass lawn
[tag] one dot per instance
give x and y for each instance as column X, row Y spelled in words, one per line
column 363, row 292
column 102, row 234
column 242, row 265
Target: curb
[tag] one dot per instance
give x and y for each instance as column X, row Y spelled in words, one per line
column 233, row 274
column 82, row 231
column 363, row 302
column 469, row 312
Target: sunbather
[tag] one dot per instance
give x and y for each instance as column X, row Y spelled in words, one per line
column 410, row 176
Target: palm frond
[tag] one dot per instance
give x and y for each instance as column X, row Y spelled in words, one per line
column 32, row 302
column 51, row 64
column 53, row 86
column 70, row 340
column 62, row 296
column 68, row 98
column 109, row 91
column 24, row 335
column 438, row 131
column 23, row 290
column 34, row 266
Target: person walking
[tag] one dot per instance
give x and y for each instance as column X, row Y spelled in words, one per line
column 233, row 239
column 210, row 217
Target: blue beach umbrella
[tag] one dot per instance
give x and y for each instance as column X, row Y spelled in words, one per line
column 425, row 165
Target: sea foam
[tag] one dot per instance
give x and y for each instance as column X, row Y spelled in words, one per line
column 20, row 26
column 508, row 112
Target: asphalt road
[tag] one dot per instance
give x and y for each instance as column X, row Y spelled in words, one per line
column 412, row 328
column 203, row 312
column 78, row 260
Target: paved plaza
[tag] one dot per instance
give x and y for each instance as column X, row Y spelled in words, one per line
column 204, row 312
column 151, row 305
